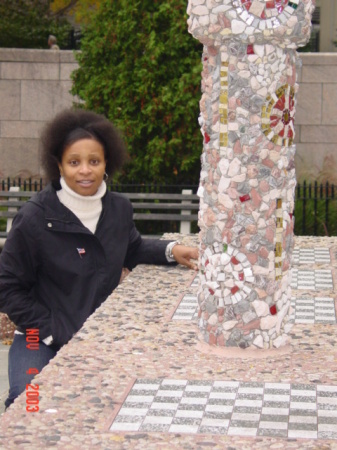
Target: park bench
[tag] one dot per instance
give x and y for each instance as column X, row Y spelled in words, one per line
column 147, row 206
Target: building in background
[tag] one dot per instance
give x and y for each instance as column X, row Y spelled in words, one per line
column 324, row 28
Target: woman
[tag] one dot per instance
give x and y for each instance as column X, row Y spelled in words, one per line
column 70, row 244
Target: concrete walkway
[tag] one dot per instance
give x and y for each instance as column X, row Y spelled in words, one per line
column 136, row 377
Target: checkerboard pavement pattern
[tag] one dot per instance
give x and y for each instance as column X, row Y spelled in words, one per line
column 187, row 308
column 313, row 310
column 313, row 280
column 318, row 255
column 231, row 408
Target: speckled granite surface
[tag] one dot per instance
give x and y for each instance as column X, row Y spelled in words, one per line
column 132, row 337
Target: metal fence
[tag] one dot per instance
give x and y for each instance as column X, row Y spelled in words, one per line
column 315, row 204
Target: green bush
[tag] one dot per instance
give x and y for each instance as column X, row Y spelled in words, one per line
column 315, row 218
column 28, row 23
column 141, row 69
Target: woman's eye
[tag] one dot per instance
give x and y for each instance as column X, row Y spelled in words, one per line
column 94, row 162
column 73, row 163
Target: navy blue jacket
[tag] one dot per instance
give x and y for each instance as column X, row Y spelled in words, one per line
column 54, row 272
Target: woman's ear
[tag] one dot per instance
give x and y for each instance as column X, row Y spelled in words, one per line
column 60, row 169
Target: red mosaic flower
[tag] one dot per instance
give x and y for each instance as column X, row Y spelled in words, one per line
column 278, row 116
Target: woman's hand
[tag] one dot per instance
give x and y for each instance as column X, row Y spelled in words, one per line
column 183, row 255
column 124, row 274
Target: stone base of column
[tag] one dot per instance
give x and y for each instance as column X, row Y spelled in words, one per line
column 236, row 352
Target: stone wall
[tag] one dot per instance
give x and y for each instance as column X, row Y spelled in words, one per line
column 35, row 84
column 316, row 118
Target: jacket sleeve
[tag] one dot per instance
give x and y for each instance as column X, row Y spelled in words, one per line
column 19, row 264
column 144, row 251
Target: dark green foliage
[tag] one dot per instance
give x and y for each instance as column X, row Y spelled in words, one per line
column 28, row 23
column 141, row 69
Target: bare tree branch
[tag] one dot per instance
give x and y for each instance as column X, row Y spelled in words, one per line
column 65, row 9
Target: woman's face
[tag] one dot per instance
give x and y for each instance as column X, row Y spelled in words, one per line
column 83, row 166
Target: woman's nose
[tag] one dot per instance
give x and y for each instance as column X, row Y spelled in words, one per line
column 85, row 168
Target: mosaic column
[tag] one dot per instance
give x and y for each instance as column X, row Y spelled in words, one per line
column 247, row 180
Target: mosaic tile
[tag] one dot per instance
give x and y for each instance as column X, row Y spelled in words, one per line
column 247, row 179
column 310, row 411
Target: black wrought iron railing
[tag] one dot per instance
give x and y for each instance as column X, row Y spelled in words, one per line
column 315, row 204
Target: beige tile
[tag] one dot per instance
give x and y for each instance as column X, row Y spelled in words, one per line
column 41, row 100
column 29, row 71
column 67, row 56
column 319, row 134
column 66, row 70
column 9, row 100
column 20, row 129
column 319, row 59
column 32, row 55
column 309, row 104
column 19, row 157
column 319, row 74
column 329, row 107
column 297, row 134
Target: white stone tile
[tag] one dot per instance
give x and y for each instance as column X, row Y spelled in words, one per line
column 239, row 431
column 198, row 388
column 164, row 406
column 125, row 426
column 133, row 411
column 170, row 394
column 193, row 401
column 275, row 411
column 176, row 428
column 246, row 402
column 326, row 388
column 219, row 408
column 172, row 382
column 211, row 422
column 303, row 393
column 327, row 400
column 302, row 434
column 273, row 425
column 189, row 413
column 303, row 419
column 327, row 427
column 250, row 390
column 246, row 417
column 303, row 405
column 276, row 398
column 158, row 420
column 223, row 395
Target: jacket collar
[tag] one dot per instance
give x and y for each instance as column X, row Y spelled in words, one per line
column 58, row 214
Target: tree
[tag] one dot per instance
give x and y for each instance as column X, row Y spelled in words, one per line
column 141, row 69
column 28, row 23
column 79, row 10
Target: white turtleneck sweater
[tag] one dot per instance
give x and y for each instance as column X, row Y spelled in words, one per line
column 86, row 208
